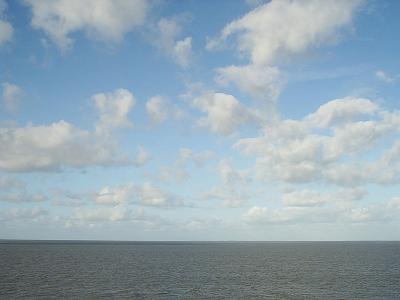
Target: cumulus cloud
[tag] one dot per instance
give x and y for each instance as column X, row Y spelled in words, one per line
column 14, row 191
column 330, row 211
column 11, row 96
column 234, row 189
column 113, row 109
column 328, row 145
column 61, row 144
column 224, row 113
column 167, row 32
column 260, row 82
column 156, row 108
column 101, row 214
column 381, row 75
column 276, row 31
column 103, row 20
column 342, row 111
column 18, row 213
column 289, row 215
column 309, row 198
column 146, row 194
column 142, row 157
column 51, row 147
column 22, row 197
column 304, row 198
column 159, row 109
column 6, row 29
column 229, row 175
column 178, row 170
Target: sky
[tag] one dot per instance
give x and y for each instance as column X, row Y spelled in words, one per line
column 200, row 120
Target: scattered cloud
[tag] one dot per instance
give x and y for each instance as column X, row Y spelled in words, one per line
column 156, row 108
column 102, row 20
column 224, row 114
column 6, row 29
column 159, row 109
column 61, row 144
column 277, row 28
column 304, row 198
column 142, row 157
column 22, row 197
column 167, row 41
column 381, row 75
column 52, row 147
column 113, row 109
column 331, row 213
column 178, row 171
column 329, row 145
column 12, row 95
column 20, row 213
column 260, row 82
column 273, row 33
column 234, row 190
column 146, row 194
column 101, row 214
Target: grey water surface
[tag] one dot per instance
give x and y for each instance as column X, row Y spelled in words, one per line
column 199, row 270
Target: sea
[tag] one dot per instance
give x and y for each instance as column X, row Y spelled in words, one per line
column 199, row 270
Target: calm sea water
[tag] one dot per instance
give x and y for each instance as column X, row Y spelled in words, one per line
column 271, row 270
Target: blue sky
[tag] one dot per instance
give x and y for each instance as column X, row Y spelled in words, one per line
column 199, row 120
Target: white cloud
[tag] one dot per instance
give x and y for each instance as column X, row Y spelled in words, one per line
column 178, row 170
column 167, row 41
column 59, row 145
column 101, row 214
column 142, row 157
column 224, row 113
column 277, row 29
column 14, row 191
column 275, row 32
column 329, row 145
column 146, row 194
column 6, row 32
column 228, row 196
column 114, row 196
column 104, row 20
column 342, row 111
column 153, row 196
column 11, row 96
column 258, row 215
column 22, row 197
column 304, row 198
column 19, row 213
column 113, row 109
column 6, row 29
column 229, row 175
column 262, row 82
column 157, row 108
column 234, row 190
column 381, row 75
column 182, row 52
column 255, row 213
column 47, row 148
